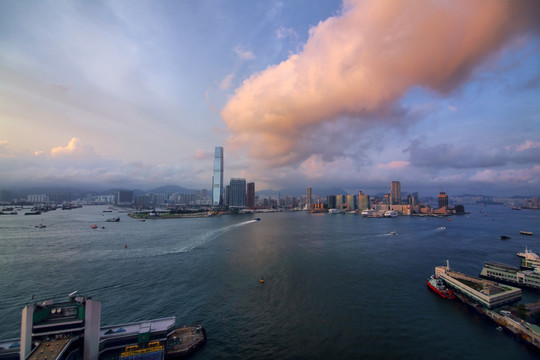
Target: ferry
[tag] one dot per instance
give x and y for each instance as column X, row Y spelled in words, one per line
column 529, row 260
column 72, row 330
column 523, row 232
column 391, row 213
column 437, row 285
column 512, row 275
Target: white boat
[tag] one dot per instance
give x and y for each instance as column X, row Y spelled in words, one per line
column 367, row 213
column 390, row 213
column 336, row 211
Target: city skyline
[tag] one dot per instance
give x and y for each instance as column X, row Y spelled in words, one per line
column 299, row 94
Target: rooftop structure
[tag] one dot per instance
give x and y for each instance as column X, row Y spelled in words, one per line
column 487, row 293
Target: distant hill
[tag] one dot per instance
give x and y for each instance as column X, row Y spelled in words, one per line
column 170, row 189
column 323, row 192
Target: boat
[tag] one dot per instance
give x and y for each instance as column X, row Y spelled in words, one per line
column 441, row 228
column 116, row 219
column 367, row 212
column 523, row 232
column 184, row 341
column 393, row 232
column 33, row 213
column 391, row 213
column 94, row 226
column 41, row 226
column 336, row 211
column 257, row 219
column 504, row 237
column 436, row 284
column 516, row 208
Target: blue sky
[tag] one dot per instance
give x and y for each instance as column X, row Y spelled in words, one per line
column 441, row 96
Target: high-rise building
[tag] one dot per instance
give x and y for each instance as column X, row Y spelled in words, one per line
column 217, row 178
column 331, row 201
column 308, row 196
column 340, row 201
column 250, row 196
column 395, row 191
column 363, row 201
column 443, row 200
column 351, row 202
column 124, row 198
column 237, row 193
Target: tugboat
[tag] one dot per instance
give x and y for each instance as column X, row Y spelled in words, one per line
column 437, row 285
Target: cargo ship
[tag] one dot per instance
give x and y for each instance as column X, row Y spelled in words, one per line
column 436, row 284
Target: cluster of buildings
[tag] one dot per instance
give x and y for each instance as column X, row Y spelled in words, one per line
column 239, row 194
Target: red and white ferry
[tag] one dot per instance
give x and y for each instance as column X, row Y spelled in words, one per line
column 437, row 285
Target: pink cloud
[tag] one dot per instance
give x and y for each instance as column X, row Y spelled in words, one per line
column 511, row 176
column 357, row 65
column 394, row 165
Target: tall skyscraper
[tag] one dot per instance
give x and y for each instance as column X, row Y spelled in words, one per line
column 395, row 190
column 308, row 196
column 351, row 202
column 217, row 178
column 250, row 196
column 237, row 193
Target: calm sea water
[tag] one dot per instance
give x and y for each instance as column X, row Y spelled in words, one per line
column 336, row 286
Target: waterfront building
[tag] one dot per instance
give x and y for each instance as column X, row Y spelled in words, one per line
column 511, row 274
column 395, row 191
column 250, row 196
column 331, row 201
column 351, row 202
column 124, row 198
column 227, row 195
column 340, row 201
column 363, row 201
column 217, row 178
column 443, row 200
column 308, row 197
column 485, row 292
column 237, row 193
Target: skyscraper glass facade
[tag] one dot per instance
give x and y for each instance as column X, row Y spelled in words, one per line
column 217, row 178
column 237, row 193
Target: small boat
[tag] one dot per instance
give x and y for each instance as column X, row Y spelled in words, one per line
column 436, row 284
column 441, row 228
column 184, row 341
column 393, row 232
column 41, row 226
column 116, row 219
column 258, row 219
column 33, row 213
column 94, row 226
column 522, row 232
column 504, row 237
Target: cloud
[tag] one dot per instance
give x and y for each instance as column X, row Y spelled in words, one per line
column 284, row 32
column 243, row 53
column 394, row 165
column 509, row 176
column 226, row 82
column 359, row 64
column 452, row 108
column 75, row 148
column 528, row 145
column 201, row 154
column 5, row 150
column 468, row 157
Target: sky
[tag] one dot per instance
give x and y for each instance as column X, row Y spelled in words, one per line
column 440, row 95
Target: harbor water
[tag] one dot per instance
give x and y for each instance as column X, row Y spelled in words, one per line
column 335, row 286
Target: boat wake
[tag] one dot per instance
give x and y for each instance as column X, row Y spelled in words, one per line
column 441, row 228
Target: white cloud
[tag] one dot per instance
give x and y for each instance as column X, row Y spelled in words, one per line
column 243, row 53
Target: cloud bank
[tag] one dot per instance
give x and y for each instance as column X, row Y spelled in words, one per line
column 355, row 67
